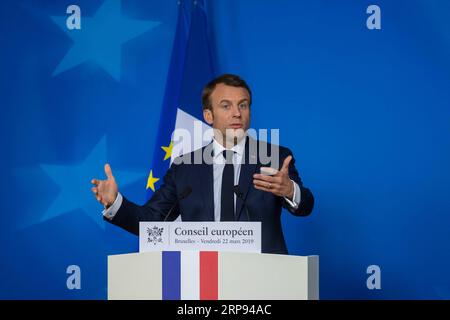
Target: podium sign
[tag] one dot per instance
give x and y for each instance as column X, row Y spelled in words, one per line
column 200, row 236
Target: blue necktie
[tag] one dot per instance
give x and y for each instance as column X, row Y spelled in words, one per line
column 227, row 196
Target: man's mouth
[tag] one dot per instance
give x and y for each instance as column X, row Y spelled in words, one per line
column 236, row 126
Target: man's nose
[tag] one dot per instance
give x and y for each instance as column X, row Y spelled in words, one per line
column 236, row 112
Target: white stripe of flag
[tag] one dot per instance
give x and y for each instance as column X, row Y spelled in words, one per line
column 190, row 275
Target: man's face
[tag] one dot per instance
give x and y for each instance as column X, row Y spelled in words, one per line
column 230, row 112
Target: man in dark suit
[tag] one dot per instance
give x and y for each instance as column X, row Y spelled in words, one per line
column 205, row 189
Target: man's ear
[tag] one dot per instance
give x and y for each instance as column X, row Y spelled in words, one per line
column 208, row 116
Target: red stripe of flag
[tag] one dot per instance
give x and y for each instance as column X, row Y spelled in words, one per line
column 209, row 282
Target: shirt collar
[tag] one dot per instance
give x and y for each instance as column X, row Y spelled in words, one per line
column 238, row 148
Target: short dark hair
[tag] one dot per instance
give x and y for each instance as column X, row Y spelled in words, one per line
column 227, row 79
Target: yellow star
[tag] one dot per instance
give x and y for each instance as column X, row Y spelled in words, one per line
column 151, row 181
column 168, row 150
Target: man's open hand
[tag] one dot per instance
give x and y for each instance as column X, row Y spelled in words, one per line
column 105, row 191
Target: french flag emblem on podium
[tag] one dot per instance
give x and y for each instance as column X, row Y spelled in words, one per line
column 190, row 275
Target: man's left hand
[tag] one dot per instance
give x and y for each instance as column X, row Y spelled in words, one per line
column 279, row 184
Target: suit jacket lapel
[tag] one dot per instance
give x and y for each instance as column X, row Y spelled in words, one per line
column 206, row 178
column 248, row 168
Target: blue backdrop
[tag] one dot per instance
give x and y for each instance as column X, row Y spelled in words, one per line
column 366, row 113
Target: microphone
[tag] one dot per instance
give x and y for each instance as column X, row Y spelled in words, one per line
column 183, row 195
column 240, row 195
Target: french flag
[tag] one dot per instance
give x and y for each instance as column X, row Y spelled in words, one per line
column 190, row 275
column 191, row 68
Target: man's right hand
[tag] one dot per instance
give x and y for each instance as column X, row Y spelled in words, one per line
column 105, row 191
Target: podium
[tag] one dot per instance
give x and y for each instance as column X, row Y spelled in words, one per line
column 234, row 276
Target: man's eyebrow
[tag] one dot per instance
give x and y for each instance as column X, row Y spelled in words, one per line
column 228, row 101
